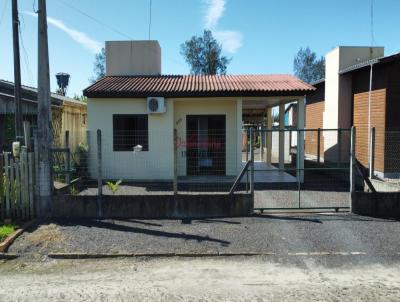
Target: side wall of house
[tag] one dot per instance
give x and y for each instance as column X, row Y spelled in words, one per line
column 361, row 81
column 315, row 108
column 74, row 120
column 154, row 164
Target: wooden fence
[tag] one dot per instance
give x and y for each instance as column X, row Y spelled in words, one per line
column 17, row 187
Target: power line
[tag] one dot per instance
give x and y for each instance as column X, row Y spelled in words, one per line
column 95, row 19
column 111, row 28
column 25, row 56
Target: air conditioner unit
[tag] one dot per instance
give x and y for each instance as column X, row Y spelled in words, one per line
column 156, row 105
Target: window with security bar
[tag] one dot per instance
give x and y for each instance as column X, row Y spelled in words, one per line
column 130, row 130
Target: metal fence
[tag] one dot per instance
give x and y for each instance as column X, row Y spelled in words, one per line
column 282, row 181
column 209, row 162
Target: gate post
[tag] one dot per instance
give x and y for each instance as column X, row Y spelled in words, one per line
column 352, row 161
column 252, row 160
column 175, row 182
column 99, row 176
column 67, row 159
column 319, row 146
column 372, row 154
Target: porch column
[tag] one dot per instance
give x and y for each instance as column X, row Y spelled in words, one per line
column 281, row 136
column 268, row 142
column 239, row 127
column 262, row 141
column 300, row 140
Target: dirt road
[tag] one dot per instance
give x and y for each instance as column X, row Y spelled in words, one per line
column 205, row 279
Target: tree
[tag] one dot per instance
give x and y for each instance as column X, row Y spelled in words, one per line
column 99, row 66
column 203, row 54
column 307, row 67
column 80, row 98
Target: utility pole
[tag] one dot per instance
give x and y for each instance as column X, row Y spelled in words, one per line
column 45, row 136
column 17, row 72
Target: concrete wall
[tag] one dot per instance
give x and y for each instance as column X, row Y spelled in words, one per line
column 154, row 206
column 210, row 106
column 156, row 164
column 133, row 58
column 384, row 205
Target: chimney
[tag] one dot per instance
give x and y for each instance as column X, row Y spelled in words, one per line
column 129, row 58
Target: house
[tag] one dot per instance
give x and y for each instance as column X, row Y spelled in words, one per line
column 361, row 89
column 67, row 114
column 134, row 104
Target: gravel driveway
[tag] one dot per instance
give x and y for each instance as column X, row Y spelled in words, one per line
column 329, row 233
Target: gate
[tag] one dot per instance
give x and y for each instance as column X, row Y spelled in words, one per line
column 283, row 182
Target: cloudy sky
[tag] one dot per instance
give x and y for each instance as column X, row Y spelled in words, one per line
column 262, row 36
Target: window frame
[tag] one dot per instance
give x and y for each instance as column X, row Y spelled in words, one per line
column 145, row 144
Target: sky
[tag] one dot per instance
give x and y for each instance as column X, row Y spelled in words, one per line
column 261, row 36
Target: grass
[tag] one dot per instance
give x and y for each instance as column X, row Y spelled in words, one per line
column 6, row 230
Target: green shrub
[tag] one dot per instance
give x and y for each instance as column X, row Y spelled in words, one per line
column 114, row 186
column 6, row 230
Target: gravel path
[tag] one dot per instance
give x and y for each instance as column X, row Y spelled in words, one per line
column 330, row 233
column 196, row 280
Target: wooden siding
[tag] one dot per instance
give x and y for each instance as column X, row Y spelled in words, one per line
column 314, row 120
column 378, row 120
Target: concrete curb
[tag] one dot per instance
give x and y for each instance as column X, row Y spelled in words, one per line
column 195, row 255
column 10, row 239
column 6, row 256
column 153, row 255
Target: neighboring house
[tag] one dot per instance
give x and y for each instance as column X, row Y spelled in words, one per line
column 206, row 111
column 343, row 100
column 67, row 114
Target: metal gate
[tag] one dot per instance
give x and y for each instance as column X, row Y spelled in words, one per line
column 284, row 181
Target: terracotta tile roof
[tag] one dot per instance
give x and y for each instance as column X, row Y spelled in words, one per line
column 198, row 86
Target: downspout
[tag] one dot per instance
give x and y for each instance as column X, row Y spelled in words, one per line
column 371, row 173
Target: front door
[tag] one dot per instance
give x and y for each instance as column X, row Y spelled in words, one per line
column 205, row 150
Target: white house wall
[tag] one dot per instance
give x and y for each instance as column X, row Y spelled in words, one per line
column 155, row 164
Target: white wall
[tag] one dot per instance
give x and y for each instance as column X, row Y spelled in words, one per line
column 155, row 164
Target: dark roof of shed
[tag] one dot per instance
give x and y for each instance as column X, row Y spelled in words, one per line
column 29, row 94
column 197, row 86
column 368, row 63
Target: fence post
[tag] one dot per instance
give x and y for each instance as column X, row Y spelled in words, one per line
column 30, row 184
column 99, row 176
column 352, row 160
column 67, row 159
column 252, row 160
column 2, row 197
column 27, row 134
column 175, row 183
column 7, row 184
column 372, row 154
column 36, row 167
column 339, row 146
column 319, row 146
